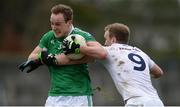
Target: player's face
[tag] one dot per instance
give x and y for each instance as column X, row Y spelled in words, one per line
column 108, row 40
column 59, row 26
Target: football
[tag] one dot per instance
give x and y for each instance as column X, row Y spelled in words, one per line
column 78, row 39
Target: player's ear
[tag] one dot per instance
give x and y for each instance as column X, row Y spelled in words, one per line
column 69, row 22
column 113, row 39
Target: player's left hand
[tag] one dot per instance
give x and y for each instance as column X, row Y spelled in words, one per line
column 70, row 47
column 48, row 59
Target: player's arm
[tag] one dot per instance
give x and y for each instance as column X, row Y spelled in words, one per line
column 32, row 63
column 34, row 53
column 156, row 71
column 37, row 58
column 94, row 49
column 62, row 59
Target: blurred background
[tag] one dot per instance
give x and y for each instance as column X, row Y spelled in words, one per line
column 155, row 28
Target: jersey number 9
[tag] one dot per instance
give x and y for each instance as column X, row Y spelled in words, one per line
column 138, row 60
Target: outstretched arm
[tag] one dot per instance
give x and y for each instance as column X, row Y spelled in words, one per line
column 62, row 59
column 94, row 49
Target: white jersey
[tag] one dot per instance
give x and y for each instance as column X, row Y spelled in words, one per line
column 129, row 69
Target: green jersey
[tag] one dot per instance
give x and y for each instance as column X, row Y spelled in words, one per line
column 67, row 80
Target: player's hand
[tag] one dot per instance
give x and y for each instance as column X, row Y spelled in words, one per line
column 48, row 59
column 29, row 65
column 70, row 46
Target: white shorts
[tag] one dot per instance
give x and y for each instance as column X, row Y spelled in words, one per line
column 144, row 102
column 61, row 101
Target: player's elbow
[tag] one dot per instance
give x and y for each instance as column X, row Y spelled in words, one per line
column 157, row 75
column 156, row 71
column 160, row 74
column 103, row 55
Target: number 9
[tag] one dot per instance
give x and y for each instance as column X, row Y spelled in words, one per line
column 141, row 61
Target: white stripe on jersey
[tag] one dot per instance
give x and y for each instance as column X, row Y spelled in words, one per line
column 129, row 69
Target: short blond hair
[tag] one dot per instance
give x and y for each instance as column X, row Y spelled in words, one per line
column 120, row 31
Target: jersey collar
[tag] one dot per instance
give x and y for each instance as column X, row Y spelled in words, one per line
column 119, row 44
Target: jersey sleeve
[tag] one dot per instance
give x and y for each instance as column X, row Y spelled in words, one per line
column 89, row 37
column 44, row 40
column 151, row 63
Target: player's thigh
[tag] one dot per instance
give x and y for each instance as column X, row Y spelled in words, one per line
column 154, row 102
column 144, row 102
column 69, row 101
